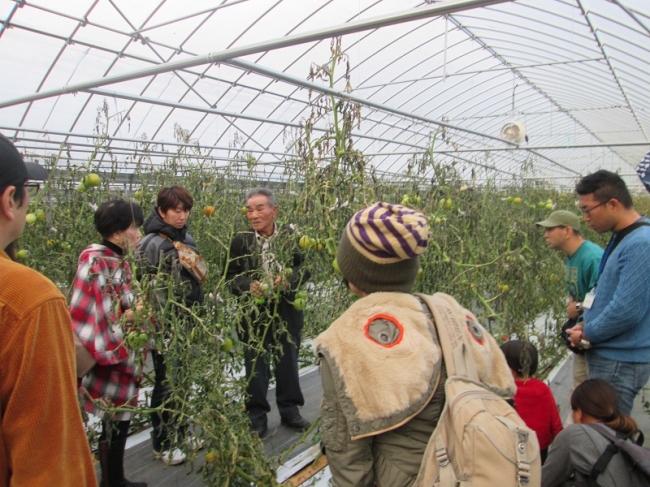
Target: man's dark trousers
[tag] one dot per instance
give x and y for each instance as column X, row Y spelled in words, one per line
column 285, row 362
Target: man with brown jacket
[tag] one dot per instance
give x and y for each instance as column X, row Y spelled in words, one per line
column 42, row 437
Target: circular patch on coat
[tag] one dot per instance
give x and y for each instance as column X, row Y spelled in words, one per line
column 384, row 330
column 474, row 330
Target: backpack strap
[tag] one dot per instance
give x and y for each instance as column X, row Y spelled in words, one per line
column 451, row 334
column 611, row 450
column 603, row 460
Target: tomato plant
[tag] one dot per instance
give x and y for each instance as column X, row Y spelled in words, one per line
column 484, row 250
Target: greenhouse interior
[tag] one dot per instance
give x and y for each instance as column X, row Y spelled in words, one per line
column 481, row 114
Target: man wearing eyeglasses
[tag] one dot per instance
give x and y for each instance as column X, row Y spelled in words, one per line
column 616, row 327
column 42, row 437
column 562, row 232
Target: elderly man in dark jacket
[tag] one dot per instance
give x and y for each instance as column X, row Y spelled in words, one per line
column 271, row 330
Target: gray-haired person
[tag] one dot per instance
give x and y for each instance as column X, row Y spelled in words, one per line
column 257, row 269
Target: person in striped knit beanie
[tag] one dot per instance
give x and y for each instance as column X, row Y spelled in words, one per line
column 379, row 364
column 381, row 246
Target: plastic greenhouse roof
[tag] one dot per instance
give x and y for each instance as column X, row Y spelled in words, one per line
column 229, row 80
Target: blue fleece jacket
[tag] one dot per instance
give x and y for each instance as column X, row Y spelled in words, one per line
column 618, row 323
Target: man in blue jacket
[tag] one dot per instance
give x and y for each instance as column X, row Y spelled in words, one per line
column 616, row 324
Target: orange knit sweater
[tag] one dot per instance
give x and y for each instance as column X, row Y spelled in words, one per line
column 42, row 438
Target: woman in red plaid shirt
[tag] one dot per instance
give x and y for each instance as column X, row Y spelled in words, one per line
column 101, row 306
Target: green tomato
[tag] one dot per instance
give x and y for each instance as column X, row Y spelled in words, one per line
column 304, row 242
column 92, row 180
column 30, row 218
column 335, row 265
column 226, row 346
column 22, row 254
column 302, row 295
column 299, row 304
column 259, row 300
column 133, row 339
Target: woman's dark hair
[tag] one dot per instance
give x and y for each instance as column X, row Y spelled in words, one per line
column 605, row 185
column 117, row 216
column 598, row 399
column 521, row 357
column 174, row 196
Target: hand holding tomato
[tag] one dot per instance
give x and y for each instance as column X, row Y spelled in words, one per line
column 280, row 282
column 129, row 316
column 258, row 289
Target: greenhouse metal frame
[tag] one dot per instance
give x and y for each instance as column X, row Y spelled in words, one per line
column 228, row 79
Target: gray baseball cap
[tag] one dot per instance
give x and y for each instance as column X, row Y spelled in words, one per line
column 561, row 218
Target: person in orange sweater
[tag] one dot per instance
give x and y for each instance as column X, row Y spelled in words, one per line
column 42, row 437
column 534, row 401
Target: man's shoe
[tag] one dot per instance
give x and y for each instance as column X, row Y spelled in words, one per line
column 260, row 430
column 298, row 423
column 171, row 457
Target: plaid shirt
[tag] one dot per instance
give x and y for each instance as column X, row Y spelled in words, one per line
column 100, row 294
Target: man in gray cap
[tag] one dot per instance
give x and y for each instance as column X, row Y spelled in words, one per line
column 562, row 232
column 42, row 437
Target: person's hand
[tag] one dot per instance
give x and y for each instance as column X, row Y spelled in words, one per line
column 571, row 308
column 128, row 316
column 575, row 335
column 257, row 290
column 280, row 282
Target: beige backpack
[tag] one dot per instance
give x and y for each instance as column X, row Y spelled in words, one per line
column 480, row 441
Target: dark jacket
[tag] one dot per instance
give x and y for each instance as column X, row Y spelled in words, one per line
column 245, row 266
column 160, row 253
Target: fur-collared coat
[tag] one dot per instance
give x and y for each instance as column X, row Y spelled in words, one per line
column 383, row 376
column 381, row 365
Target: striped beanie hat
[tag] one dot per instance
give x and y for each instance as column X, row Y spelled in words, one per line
column 380, row 248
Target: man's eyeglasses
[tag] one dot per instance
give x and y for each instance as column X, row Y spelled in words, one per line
column 32, row 188
column 585, row 211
